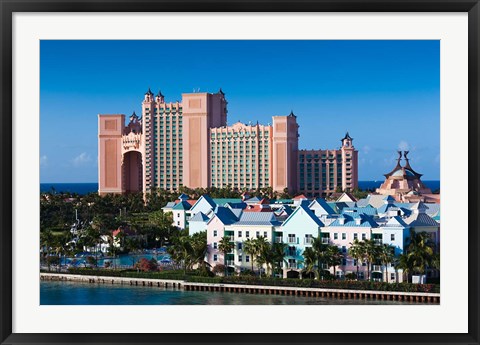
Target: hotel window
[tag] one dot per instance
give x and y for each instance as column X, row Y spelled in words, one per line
column 344, row 236
column 215, row 245
column 265, row 234
column 258, row 234
column 239, row 234
column 392, row 276
column 239, row 246
column 247, row 258
column 178, row 215
column 215, row 257
column 355, row 236
column 392, row 237
column 335, row 236
column 240, row 258
column 364, row 237
column 214, row 233
column 247, row 234
column 344, row 249
column 355, row 262
column 344, row 262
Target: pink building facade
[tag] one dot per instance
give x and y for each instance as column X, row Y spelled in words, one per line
column 189, row 143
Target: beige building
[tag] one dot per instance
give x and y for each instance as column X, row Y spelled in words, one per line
column 323, row 171
column 189, row 143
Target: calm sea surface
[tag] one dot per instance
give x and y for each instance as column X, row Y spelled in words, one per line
column 68, row 293
column 85, row 188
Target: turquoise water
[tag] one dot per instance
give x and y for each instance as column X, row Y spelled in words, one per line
column 69, row 293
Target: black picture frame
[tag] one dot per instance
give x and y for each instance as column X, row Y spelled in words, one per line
column 8, row 7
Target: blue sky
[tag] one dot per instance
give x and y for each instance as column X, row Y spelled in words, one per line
column 385, row 93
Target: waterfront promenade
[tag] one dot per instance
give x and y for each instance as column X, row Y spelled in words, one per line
column 414, row 297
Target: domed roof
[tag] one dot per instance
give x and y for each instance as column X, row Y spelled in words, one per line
column 400, row 172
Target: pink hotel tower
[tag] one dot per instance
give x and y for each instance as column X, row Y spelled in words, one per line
column 189, row 144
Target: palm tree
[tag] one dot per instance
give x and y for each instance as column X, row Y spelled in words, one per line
column 386, row 256
column 181, row 250
column 250, row 247
column 420, row 253
column 225, row 246
column 46, row 242
column 199, row 248
column 357, row 252
column 320, row 250
column 263, row 253
column 370, row 255
column 278, row 255
column 310, row 261
column 334, row 257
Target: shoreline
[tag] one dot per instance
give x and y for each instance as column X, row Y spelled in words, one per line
column 414, row 297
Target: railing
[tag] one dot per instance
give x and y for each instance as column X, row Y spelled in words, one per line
column 325, row 266
column 325, row 240
column 292, row 265
column 308, row 241
column 292, row 240
column 278, row 239
column 378, row 241
column 377, row 268
column 230, row 263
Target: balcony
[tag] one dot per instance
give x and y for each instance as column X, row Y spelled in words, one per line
column 292, row 240
column 292, row 265
column 325, row 240
column 278, row 239
column 230, row 263
column 378, row 241
column 377, row 268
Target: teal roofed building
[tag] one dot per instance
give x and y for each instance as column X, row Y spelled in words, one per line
column 297, row 232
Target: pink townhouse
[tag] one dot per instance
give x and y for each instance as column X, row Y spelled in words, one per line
column 341, row 233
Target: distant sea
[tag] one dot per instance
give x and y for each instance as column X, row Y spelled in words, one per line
column 85, row 188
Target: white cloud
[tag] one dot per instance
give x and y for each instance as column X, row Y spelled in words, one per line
column 403, row 146
column 366, row 149
column 43, row 161
column 81, row 159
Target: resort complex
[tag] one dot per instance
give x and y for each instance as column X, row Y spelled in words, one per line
column 301, row 225
column 190, row 144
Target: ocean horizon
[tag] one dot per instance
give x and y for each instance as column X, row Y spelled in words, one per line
column 92, row 187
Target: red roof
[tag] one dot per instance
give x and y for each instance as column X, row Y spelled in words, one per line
column 300, row 197
column 190, row 201
column 257, row 208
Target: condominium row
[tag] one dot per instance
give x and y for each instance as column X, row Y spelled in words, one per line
column 379, row 218
column 189, row 143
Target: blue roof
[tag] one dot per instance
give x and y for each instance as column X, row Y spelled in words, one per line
column 396, row 222
column 208, row 199
column 384, row 208
column 323, row 204
column 169, row 204
column 365, row 221
column 421, row 219
column 308, row 211
column 225, row 215
column 199, row 217
column 285, row 208
column 370, row 211
column 254, row 200
column 183, row 197
column 182, row 205
column 257, row 218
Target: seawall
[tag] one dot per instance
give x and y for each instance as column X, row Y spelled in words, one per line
column 414, row 297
